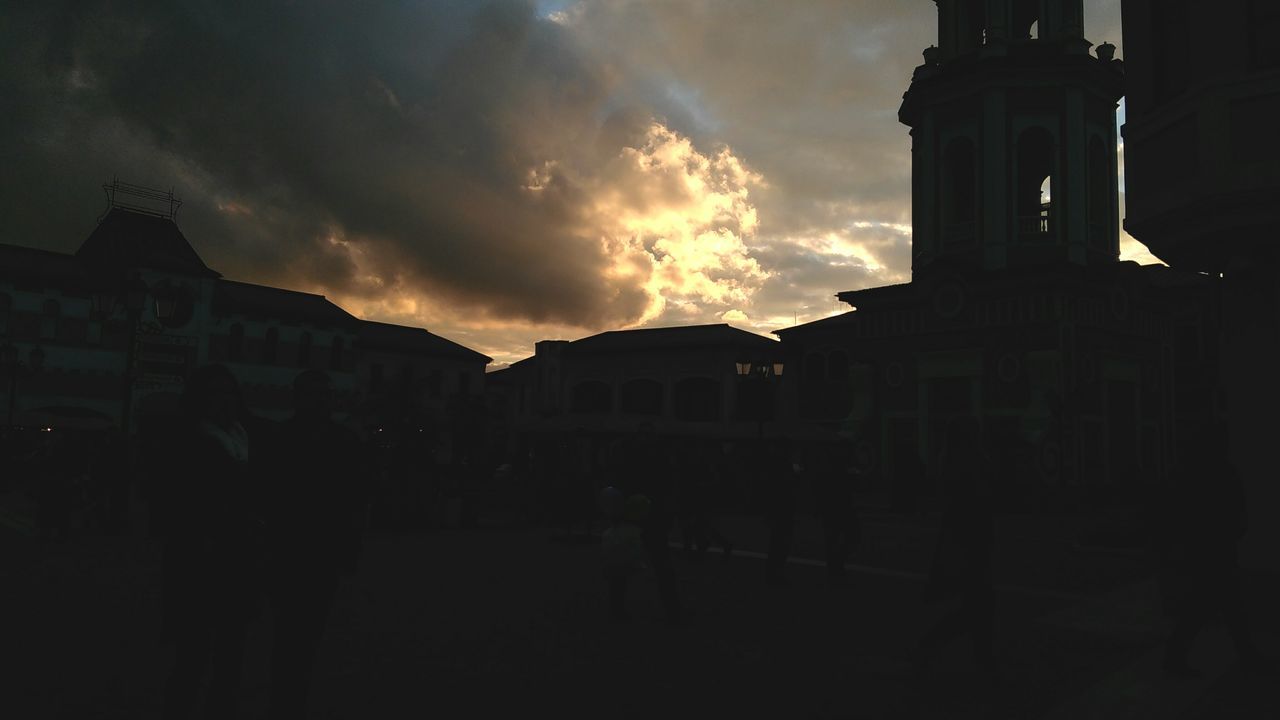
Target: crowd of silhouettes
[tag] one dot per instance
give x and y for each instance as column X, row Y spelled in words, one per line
column 259, row 520
column 253, row 516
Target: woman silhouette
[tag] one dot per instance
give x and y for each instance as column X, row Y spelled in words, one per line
column 962, row 558
column 213, row 546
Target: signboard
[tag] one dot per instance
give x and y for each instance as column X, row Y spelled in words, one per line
column 162, row 360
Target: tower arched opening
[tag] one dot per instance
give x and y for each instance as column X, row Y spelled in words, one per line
column 1033, row 192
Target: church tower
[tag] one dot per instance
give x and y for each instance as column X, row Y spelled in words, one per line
column 1013, row 140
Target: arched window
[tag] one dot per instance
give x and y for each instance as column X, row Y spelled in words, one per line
column 815, row 367
column 336, row 351
column 1100, row 175
column 592, row 396
column 6, row 310
column 1035, row 182
column 838, row 365
column 973, row 31
column 304, row 350
column 697, row 399
column 51, row 312
column 271, row 346
column 642, row 396
column 235, row 342
column 1026, row 20
column 959, row 191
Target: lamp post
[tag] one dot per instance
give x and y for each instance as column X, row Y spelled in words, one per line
column 11, row 361
column 761, row 376
column 132, row 295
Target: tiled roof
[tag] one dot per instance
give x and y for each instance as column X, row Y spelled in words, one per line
column 687, row 336
column 126, row 238
column 237, row 298
column 51, row 268
column 401, row 338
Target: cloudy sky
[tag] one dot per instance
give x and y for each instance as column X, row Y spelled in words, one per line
column 497, row 171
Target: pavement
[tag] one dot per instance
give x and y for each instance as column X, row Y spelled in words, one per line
column 500, row 621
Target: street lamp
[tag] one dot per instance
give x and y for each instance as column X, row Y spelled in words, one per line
column 132, row 295
column 760, row 374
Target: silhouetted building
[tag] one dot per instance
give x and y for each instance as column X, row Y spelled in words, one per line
column 1202, row 158
column 137, row 296
column 1018, row 311
column 682, row 380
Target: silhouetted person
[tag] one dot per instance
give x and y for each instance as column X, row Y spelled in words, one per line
column 961, row 568
column 622, row 546
column 647, row 471
column 700, row 487
column 314, row 504
column 213, row 546
column 1208, row 521
column 833, row 494
column 780, row 495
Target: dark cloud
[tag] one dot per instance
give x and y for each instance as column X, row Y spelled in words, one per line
column 479, row 167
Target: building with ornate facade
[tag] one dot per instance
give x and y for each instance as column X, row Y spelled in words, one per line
column 1203, row 173
column 1019, row 311
column 110, row 332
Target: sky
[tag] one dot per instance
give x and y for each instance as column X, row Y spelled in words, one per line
column 497, row 171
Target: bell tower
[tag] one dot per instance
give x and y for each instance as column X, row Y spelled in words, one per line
column 1013, row 127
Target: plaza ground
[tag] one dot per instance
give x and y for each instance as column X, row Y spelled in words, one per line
column 504, row 621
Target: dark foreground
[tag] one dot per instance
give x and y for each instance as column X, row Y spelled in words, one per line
column 499, row 622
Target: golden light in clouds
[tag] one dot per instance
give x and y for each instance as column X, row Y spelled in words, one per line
column 677, row 221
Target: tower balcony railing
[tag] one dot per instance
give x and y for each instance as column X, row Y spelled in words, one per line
column 1035, row 227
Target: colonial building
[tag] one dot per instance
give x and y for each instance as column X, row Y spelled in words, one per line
column 1019, row 311
column 690, row 381
column 111, row 331
column 1203, row 173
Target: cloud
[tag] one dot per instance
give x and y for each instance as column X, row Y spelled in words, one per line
column 497, row 170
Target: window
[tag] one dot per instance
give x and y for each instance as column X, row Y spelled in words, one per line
column 973, row 30
column 235, row 342
column 464, row 382
column 49, row 319
column 642, row 396
column 592, row 396
column 435, row 383
column 271, row 346
column 304, row 350
column 697, row 399
column 375, row 377
column 336, row 351
column 1033, row 192
column 1026, row 20
column 815, row 367
column 837, row 365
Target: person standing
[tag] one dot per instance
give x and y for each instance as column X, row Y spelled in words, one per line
column 779, row 486
column 647, row 471
column 833, row 492
column 315, row 501
column 961, row 567
column 213, row 546
column 1202, row 536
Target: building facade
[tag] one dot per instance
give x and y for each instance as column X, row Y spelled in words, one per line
column 682, row 381
column 1203, row 171
column 1019, row 311
column 105, row 337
